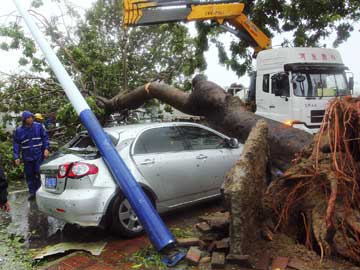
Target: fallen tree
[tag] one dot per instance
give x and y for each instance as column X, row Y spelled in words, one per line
column 221, row 110
column 317, row 201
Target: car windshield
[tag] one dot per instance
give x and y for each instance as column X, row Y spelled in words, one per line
column 319, row 84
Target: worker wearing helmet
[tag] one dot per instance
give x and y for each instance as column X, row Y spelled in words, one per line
column 38, row 118
column 32, row 141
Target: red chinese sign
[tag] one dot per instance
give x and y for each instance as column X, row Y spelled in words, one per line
column 316, row 56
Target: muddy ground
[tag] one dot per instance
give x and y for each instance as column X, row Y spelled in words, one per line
column 25, row 230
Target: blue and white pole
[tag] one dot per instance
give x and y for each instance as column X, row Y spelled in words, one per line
column 158, row 233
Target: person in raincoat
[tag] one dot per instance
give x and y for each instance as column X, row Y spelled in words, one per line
column 31, row 140
column 4, row 204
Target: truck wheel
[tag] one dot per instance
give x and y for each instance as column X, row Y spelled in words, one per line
column 124, row 220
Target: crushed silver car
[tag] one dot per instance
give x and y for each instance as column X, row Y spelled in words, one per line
column 177, row 164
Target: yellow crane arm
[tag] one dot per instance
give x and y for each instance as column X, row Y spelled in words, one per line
column 146, row 12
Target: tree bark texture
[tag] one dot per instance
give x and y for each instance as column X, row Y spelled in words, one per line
column 244, row 187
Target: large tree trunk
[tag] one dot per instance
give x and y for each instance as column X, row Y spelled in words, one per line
column 221, row 110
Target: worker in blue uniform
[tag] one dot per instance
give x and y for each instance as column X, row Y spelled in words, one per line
column 32, row 141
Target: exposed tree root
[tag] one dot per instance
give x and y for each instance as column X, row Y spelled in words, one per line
column 324, row 179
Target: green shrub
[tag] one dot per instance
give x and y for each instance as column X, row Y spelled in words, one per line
column 12, row 172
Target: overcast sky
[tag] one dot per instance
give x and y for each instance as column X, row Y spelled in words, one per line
column 215, row 72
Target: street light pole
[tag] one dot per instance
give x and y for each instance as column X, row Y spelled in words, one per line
column 158, row 233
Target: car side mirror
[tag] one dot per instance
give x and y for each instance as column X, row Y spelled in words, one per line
column 351, row 83
column 232, row 142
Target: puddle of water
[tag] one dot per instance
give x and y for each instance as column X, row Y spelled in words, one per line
column 17, row 185
column 39, row 230
column 27, row 221
column 25, row 228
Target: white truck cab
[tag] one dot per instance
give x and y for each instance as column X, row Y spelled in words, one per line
column 294, row 85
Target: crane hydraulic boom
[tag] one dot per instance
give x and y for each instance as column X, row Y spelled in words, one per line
column 229, row 15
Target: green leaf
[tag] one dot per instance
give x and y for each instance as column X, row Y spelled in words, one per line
column 23, row 61
column 4, row 46
column 37, row 3
column 136, row 266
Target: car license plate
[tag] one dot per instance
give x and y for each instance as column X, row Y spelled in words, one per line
column 50, row 182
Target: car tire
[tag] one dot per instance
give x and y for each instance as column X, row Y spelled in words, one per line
column 124, row 221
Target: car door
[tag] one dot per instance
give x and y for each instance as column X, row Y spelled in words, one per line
column 162, row 157
column 212, row 159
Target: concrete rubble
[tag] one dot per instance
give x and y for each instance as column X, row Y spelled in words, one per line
column 211, row 250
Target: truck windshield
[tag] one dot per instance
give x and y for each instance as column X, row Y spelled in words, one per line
column 319, row 84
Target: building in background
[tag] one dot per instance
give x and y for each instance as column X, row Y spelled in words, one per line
column 238, row 90
column 9, row 120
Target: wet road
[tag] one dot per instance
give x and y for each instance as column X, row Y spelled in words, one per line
column 25, row 228
column 24, row 220
column 38, row 230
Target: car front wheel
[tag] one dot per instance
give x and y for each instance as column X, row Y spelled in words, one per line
column 124, row 220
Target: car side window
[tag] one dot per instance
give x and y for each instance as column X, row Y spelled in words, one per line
column 266, row 83
column 160, row 140
column 200, row 138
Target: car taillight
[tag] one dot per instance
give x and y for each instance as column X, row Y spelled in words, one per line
column 76, row 170
column 80, row 169
column 63, row 170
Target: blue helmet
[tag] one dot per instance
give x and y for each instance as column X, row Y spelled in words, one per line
column 26, row 114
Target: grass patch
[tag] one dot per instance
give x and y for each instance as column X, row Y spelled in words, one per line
column 181, row 232
column 147, row 258
column 13, row 252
